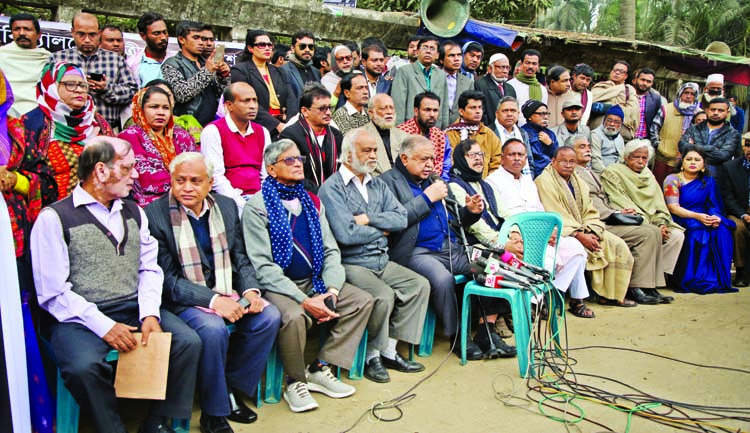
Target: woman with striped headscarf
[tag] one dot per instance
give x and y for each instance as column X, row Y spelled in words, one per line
column 65, row 119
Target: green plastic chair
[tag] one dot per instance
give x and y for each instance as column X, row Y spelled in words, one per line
column 536, row 229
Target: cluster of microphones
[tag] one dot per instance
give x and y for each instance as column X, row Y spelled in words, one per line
column 501, row 269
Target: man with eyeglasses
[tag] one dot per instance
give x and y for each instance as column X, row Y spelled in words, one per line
column 297, row 261
column 616, row 91
column 299, row 70
column 418, row 77
column 495, row 85
column 22, row 62
column 469, row 125
column 606, row 141
column 111, row 83
column 678, row 117
column 146, row 64
column 342, row 63
column 316, row 139
column 196, row 82
column 542, row 140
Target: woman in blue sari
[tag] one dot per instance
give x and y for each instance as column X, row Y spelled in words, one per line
column 694, row 200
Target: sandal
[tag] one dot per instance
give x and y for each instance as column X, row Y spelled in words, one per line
column 502, row 329
column 612, row 303
column 579, row 309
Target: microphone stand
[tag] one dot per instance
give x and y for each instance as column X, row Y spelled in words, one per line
column 452, row 205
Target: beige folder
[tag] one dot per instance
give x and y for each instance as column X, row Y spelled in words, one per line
column 142, row 372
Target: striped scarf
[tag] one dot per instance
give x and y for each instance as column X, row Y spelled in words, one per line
column 280, row 230
column 70, row 126
column 189, row 253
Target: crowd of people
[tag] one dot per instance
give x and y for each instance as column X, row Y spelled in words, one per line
column 339, row 188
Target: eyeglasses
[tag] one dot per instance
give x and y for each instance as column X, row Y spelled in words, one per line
column 428, row 48
column 290, row 160
column 620, row 71
column 475, row 155
column 263, row 44
column 615, row 122
column 543, row 113
column 310, row 47
column 323, row 108
column 344, row 58
column 72, row 86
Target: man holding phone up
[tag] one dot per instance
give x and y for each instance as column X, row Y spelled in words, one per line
column 111, row 83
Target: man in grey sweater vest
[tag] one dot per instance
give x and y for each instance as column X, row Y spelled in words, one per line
column 362, row 212
column 96, row 273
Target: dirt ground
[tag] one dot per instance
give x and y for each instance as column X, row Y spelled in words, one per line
column 713, row 329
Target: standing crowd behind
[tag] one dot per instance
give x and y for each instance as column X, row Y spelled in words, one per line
column 306, row 186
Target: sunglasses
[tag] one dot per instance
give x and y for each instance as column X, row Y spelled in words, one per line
column 342, row 58
column 263, row 44
column 310, row 47
column 290, row 160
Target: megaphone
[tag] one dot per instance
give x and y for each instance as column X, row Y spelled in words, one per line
column 444, row 18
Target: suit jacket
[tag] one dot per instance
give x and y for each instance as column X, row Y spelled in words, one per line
column 401, row 244
column 492, row 96
column 397, row 137
column 294, row 79
column 249, row 73
column 179, row 293
column 296, row 133
column 463, row 83
column 733, row 183
column 410, row 82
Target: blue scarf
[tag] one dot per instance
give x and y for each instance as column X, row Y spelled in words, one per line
column 280, row 230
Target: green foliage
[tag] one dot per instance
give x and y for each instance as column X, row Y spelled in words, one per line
column 486, row 10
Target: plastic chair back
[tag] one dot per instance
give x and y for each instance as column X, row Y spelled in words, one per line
column 536, row 228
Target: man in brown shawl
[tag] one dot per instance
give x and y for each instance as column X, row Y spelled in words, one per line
column 609, row 259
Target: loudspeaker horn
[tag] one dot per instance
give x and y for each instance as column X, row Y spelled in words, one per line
column 444, row 18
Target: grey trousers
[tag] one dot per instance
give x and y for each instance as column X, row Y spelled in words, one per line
column 740, row 236
column 401, row 298
column 671, row 249
column 644, row 242
column 354, row 306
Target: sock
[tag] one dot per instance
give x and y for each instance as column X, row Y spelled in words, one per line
column 390, row 351
column 371, row 354
column 317, row 365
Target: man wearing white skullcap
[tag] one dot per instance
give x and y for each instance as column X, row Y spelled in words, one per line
column 714, row 89
column 495, row 85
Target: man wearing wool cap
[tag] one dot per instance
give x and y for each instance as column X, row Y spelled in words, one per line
column 606, row 140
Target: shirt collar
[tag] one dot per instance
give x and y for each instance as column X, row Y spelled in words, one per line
column 233, row 127
column 192, row 214
column 81, row 197
column 350, row 108
column 347, row 175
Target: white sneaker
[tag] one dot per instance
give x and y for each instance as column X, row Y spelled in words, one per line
column 299, row 398
column 324, row 381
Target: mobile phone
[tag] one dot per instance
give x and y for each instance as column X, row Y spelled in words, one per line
column 219, row 53
column 96, row 76
column 330, row 303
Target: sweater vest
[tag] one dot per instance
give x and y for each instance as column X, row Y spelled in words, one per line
column 102, row 271
column 243, row 156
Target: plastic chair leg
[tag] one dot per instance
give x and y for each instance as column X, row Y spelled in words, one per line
column 67, row 409
column 358, row 367
column 465, row 325
column 181, row 425
column 522, row 329
column 274, row 375
column 428, row 334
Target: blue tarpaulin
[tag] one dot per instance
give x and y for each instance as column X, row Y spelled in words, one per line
column 483, row 32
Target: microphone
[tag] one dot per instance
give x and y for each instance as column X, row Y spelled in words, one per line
column 494, row 264
column 511, row 260
column 489, row 274
column 435, row 177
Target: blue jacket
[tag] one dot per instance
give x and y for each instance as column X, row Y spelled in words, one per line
column 542, row 153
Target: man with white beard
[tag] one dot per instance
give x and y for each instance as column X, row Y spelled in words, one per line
column 606, row 141
column 495, row 85
column 382, row 128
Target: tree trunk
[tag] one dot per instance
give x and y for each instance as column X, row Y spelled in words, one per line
column 627, row 19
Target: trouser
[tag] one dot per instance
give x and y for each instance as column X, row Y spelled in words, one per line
column 400, row 303
column 354, row 306
column 570, row 267
column 80, row 356
column 671, row 249
column 439, row 267
column 243, row 368
column 644, row 242
column 741, row 253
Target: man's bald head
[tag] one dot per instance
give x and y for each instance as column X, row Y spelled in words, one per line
column 85, row 33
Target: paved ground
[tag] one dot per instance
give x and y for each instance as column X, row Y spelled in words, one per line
column 712, row 329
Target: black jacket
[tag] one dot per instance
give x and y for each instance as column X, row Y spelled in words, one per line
column 180, row 293
column 249, row 73
column 315, row 172
column 733, row 183
column 401, row 244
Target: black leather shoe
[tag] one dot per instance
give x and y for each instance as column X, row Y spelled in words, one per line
column 473, row 352
column 503, row 349
column 240, row 412
column 638, row 296
column 376, row 372
column 741, row 281
column 655, row 293
column 215, row 424
column 149, row 427
column 402, row 365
